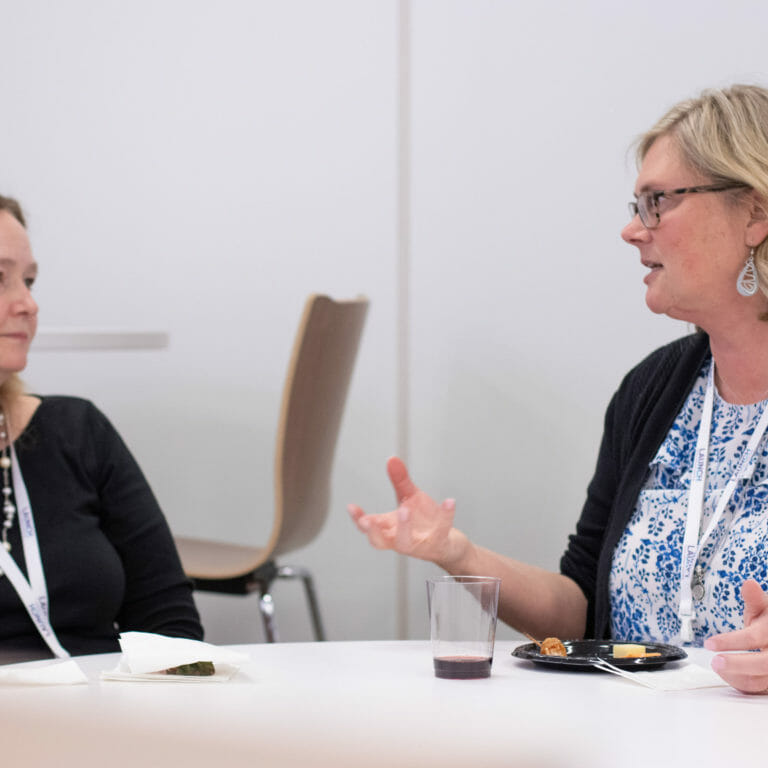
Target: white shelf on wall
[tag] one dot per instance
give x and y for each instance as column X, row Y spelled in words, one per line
column 50, row 339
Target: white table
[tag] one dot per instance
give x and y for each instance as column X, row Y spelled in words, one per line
column 377, row 704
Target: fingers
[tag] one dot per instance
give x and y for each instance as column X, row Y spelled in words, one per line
column 380, row 533
column 363, row 522
column 401, row 482
column 378, row 528
column 355, row 512
column 755, row 602
column 755, row 632
column 739, row 640
column 447, row 510
column 747, row 672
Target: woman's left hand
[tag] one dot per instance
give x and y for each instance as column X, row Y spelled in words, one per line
column 747, row 672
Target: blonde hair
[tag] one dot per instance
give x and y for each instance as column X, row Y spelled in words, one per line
column 723, row 134
column 13, row 386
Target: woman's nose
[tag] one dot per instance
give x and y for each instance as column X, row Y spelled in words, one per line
column 25, row 302
column 635, row 232
column 33, row 307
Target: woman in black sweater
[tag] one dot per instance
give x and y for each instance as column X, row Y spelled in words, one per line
column 86, row 552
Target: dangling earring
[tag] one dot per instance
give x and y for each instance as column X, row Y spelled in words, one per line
column 746, row 284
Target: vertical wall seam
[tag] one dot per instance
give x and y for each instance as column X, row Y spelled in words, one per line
column 403, row 276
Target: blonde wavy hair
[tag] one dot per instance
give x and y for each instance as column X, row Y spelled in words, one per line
column 13, row 386
column 723, row 134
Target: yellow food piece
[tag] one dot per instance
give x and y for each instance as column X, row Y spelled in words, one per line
column 628, row 651
column 631, row 651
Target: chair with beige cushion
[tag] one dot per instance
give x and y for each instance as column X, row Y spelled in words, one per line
column 314, row 396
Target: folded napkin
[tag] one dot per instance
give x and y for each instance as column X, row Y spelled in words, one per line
column 42, row 673
column 684, row 677
column 146, row 657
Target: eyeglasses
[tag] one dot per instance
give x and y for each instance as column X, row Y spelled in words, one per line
column 650, row 205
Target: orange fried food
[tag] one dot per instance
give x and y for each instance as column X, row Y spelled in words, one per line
column 552, row 646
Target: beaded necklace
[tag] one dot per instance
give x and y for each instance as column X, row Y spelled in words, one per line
column 9, row 508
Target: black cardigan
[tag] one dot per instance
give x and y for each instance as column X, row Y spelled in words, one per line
column 109, row 557
column 638, row 419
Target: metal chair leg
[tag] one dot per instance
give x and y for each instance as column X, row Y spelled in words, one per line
column 267, row 609
column 314, row 608
column 291, row 572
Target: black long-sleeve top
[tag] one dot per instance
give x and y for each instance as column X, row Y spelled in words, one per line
column 638, row 419
column 109, row 558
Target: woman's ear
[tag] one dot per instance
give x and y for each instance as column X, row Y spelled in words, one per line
column 757, row 226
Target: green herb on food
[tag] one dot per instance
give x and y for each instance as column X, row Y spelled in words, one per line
column 198, row 668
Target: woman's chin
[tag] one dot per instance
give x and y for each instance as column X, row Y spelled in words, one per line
column 656, row 306
column 9, row 368
column 672, row 312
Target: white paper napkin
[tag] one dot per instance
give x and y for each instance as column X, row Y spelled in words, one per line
column 685, row 676
column 146, row 656
column 43, row 673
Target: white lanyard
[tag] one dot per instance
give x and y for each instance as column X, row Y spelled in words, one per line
column 33, row 593
column 692, row 544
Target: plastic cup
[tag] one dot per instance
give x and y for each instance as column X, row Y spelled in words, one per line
column 462, row 619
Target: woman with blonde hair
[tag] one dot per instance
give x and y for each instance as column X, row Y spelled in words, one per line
column 672, row 542
column 85, row 552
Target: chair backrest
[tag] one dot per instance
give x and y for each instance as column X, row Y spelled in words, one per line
column 314, row 396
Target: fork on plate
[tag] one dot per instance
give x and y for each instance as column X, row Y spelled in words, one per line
column 600, row 663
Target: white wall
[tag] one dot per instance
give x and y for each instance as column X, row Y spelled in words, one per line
column 198, row 168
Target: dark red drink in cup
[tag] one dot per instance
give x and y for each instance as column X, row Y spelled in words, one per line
column 462, row 667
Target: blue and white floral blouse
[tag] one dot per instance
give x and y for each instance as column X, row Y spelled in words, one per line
column 645, row 575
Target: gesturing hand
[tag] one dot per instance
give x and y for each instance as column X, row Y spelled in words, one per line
column 419, row 527
column 747, row 672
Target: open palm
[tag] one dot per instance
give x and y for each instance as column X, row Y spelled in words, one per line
column 419, row 526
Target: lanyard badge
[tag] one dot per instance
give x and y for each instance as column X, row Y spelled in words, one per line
column 692, row 574
column 33, row 592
